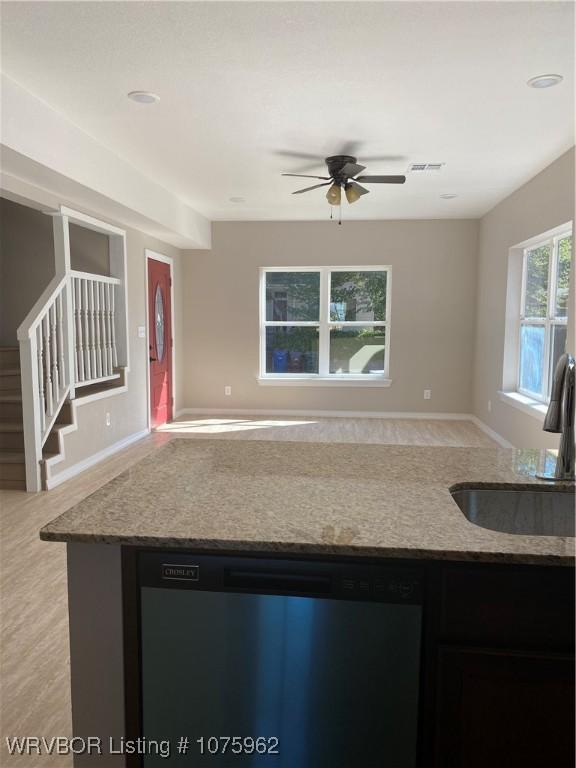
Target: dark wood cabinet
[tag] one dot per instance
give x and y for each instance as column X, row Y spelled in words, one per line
column 504, row 669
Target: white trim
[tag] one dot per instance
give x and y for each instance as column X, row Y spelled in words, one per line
column 529, row 405
column 327, row 414
column 491, row 433
column 549, row 321
column 96, row 458
column 95, row 277
column 89, row 222
column 155, row 256
column 297, row 380
column 110, row 392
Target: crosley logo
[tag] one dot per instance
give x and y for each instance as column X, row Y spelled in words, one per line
column 180, row 572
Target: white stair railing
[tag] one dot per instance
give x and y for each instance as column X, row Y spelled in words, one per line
column 94, row 308
column 46, row 379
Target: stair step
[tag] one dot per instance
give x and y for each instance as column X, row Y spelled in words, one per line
column 12, row 471
column 10, row 396
column 11, row 426
column 11, row 457
column 9, row 381
column 12, row 485
column 9, row 357
column 9, row 372
column 11, row 440
column 10, row 411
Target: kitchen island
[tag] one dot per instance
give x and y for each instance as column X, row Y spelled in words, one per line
column 497, row 621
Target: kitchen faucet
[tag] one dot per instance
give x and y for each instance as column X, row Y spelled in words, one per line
column 560, row 417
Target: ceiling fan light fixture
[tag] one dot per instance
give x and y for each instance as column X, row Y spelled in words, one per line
column 354, row 192
column 334, row 194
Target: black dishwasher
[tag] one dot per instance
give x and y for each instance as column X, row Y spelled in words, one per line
column 285, row 663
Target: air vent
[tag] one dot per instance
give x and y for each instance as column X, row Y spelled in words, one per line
column 428, row 167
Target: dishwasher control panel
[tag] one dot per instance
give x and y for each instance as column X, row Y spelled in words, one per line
column 335, row 580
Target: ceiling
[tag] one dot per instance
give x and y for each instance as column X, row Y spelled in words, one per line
column 243, row 83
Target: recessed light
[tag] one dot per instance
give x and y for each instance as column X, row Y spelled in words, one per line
column 237, row 200
column 144, row 97
column 545, row 81
column 448, row 196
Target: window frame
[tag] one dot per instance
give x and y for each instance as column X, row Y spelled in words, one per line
column 550, row 319
column 324, row 323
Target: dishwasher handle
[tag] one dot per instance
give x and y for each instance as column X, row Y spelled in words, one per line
column 313, row 584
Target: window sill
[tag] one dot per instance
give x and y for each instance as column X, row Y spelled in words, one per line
column 323, row 381
column 525, row 404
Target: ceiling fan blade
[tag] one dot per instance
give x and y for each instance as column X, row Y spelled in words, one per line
column 381, row 179
column 305, row 176
column 316, row 186
column 351, row 169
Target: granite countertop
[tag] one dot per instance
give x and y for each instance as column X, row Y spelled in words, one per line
column 309, row 498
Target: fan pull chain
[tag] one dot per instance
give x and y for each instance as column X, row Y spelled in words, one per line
column 340, row 214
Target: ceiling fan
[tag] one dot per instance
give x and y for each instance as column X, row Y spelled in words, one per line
column 344, row 170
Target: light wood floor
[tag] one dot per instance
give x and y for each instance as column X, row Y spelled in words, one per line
column 34, row 658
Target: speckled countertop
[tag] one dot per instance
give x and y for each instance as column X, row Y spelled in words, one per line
column 313, row 498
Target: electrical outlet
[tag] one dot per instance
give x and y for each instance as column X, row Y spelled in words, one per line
column 227, row 391
column 427, row 394
column 108, row 420
column 141, row 332
column 489, row 406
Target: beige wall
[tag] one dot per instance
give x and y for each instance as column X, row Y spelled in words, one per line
column 545, row 202
column 27, row 262
column 89, row 251
column 432, row 320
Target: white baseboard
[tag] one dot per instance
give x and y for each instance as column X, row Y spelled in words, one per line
column 491, row 433
column 325, row 414
column 76, row 469
column 348, row 415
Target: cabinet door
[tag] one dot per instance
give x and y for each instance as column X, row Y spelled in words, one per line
column 499, row 709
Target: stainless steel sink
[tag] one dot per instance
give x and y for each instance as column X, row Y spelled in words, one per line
column 538, row 511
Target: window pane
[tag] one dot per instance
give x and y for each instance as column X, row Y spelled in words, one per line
column 558, row 346
column 357, row 350
column 532, row 358
column 536, row 302
column 292, row 296
column 358, row 296
column 291, row 349
column 563, row 276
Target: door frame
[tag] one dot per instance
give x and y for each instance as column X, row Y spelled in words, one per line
column 149, row 254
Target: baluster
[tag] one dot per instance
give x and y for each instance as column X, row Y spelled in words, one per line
column 98, row 319
column 109, row 327
column 60, row 322
column 54, row 350
column 86, row 325
column 48, row 366
column 105, row 343
column 78, row 326
column 113, row 324
column 40, row 363
column 91, row 315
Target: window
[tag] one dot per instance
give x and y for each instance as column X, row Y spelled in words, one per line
column 325, row 323
column 543, row 313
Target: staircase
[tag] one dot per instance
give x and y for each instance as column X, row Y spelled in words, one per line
column 12, row 464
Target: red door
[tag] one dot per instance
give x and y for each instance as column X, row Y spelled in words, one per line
column 160, row 342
